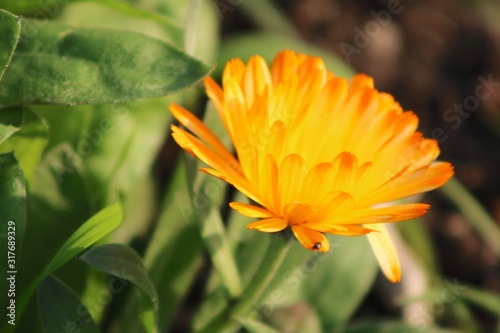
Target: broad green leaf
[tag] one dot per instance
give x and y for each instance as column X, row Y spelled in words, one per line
column 10, row 26
column 122, row 261
column 11, row 120
column 61, row 310
column 267, row 45
column 60, row 64
column 28, row 144
column 12, row 221
column 392, row 327
column 90, row 232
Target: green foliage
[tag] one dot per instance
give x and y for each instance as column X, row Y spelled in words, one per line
column 61, row 309
column 71, row 66
column 28, row 143
column 122, row 261
column 10, row 26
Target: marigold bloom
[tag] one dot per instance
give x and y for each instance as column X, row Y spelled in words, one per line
column 319, row 154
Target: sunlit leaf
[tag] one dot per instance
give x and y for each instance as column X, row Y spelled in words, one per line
column 58, row 64
column 28, row 144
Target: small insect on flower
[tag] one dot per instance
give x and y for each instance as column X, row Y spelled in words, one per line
column 317, row 153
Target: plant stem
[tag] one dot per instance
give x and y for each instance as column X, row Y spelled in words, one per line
column 258, row 288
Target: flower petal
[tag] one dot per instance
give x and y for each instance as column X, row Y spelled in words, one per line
column 311, row 239
column 343, row 230
column 188, row 120
column 272, row 224
column 240, row 183
column 298, row 213
column 322, row 173
column 216, row 95
column 385, row 251
column 409, row 183
column 292, row 172
column 250, row 210
column 394, row 213
column 257, row 79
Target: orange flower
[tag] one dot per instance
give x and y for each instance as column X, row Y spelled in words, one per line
column 319, row 154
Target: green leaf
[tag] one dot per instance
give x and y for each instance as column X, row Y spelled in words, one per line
column 29, row 143
column 10, row 27
column 61, row 310
column 90, row 232
column 65, row 65
column 11, row 120
column 12, row 219
column 122, row 261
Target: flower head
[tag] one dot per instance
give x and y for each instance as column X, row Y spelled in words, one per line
column 317, row 153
